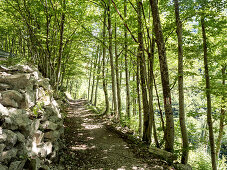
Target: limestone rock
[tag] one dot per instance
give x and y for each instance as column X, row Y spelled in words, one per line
column 34, row 126
column 44, row 83
column 18, row 120
column 49, row 125
column 3, row 110
column 17, row 165
column 25, row 136
column 24, row 68
column 2, row 167
column 38, row 136
column 45, row 149
column 52, row 135
column 17, row 81
column 4, row 86
column 11, row 138
column 2, row 147
column 20, row 137
column 4, row 69
column 3, row 136
column 35, row 164
column 6, row 156
column 11, row 98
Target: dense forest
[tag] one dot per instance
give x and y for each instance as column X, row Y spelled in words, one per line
column 157, row 67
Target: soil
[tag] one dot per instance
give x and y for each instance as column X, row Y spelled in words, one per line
column 90, row 145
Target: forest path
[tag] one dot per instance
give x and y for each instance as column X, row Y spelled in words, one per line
column 91, row 146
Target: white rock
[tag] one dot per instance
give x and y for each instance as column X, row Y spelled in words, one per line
column 3, row 110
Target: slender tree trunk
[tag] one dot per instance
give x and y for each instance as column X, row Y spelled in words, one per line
column 97, row 80
column 117, row 74
column 223, row 116
column 160, row 110
column 106, row 111
column 93, row 79
column 126, row 66
column 134, row 98
column 208, row 95
column 138, row 98
column 151, row 83
column 89, row 82
column 58, row 72
column 164, row 76
column 112, row 63
column 185, row 149
column 141, row 60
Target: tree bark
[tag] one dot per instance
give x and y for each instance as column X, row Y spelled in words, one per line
column 93, row 79
column 223, row 116
column 106, row 111
column 89, row 81
column 141, row 61
column 112, row 63
column 185, row 149
column 138, row 98
column 208, row 95
column 58, row 72
column 97, row 80
column 169, row 144
column 126, row 66
column 117, row 74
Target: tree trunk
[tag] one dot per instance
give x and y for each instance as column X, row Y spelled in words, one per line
column 106, row 111
column 185, row 149
column 141, row 60
column 134, row 98
column 208, row 95
column 58, row 72
column 164, row 76
column 97, row 80
column 89, row 81
column 126, row 66
column 150, row 88
column 112, row 63
column 117, row 74
column 93, row 79
column 138, row 98
column 223, row 116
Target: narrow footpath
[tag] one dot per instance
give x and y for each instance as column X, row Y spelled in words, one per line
column 90, row 145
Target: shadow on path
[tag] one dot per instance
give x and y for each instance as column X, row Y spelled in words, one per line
column 91, row 146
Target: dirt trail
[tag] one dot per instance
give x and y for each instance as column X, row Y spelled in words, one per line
column 91, row 146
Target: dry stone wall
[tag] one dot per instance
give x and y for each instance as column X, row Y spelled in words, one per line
column 30, row 120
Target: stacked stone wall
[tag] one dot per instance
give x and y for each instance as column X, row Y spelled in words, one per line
column 30, row 120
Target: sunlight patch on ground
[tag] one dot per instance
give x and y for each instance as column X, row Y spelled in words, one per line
column 88, row 126
column 82, row 147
